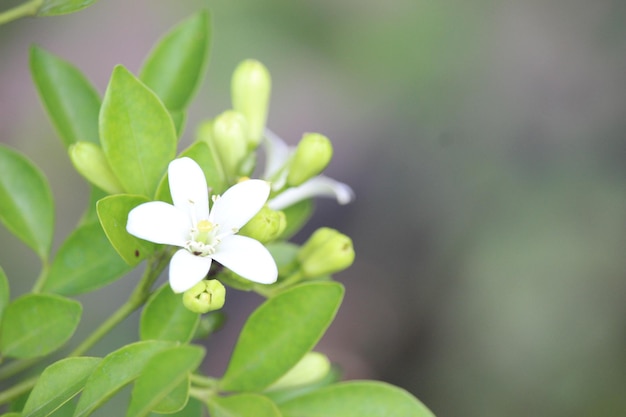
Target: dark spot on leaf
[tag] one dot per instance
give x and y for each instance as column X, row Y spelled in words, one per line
column 137, row 253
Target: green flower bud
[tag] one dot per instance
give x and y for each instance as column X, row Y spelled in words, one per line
column 204, row 132
column 312, row 155
column 205, row 296
column 311, row 368
column 250, row 94
column 266, row 225
column 327, row 251
column 230, row 131
column 90, row 161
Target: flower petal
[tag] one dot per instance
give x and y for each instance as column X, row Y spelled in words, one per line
column 189, row 188
column 159, row 222
column 319, row 186
column 186, row 270
column 276, row 153
column 248, row 258
column 239, row 204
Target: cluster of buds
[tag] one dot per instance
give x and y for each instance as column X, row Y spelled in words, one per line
column 249, row 214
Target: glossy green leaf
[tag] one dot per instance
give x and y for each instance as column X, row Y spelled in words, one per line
column 66, row 410
column 243, row 405
column 71, row 101
column 194, row 408
column 356, row 399
column 26, row 205
column 175, row 66
column 57, row 384
column 175, row 400
column 37, row 324
column 166, row 318
column 137, row 133
column 57, row 7
column 4, row 291
column 86, row 261
column 279, row 333
column 116, row 370
column 297, row 215
column 163, row 374
column 113, row 214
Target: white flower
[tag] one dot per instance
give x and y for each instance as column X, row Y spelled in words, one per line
column 205, row 235
column 277, row 155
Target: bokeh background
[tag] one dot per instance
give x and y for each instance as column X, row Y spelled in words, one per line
column 486, row 142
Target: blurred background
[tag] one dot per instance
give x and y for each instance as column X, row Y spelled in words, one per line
column 486, row 143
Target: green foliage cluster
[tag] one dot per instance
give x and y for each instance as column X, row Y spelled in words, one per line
column 122, row 144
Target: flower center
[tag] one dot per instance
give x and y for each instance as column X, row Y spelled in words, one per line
column 203, row 239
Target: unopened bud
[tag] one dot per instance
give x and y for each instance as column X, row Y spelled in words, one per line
column 327, row 251
column 90, row 161
column 312, row 155
column 204, row 132
column 230, row 131
column 266, row 225
column 205, row 296
column 311, row 368
column 250, row 94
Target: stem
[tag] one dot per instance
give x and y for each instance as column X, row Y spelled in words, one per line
column 41, row 279
column 137, row 299
column 17, row 390
column 16, row 367
column 269, row 291
column 29, row 8
column 202, row 387
column 155, row 266
column 203, row 381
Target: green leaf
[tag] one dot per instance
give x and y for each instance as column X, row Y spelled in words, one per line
column 57, row 7
column 243, row 405
column 163, row 374
column 285, row 255
column 57, row 384
column 137, row 133
column 297, row 215
column 356, row 399
column 86, row 261
column 26, row 206
column 116, row 370
column 194, row 408
column 279, row 333
column 4, row 292
column 113, row 214
column 175, row 400
column 37, row 324
column 66, row 410
column 69, row 98
column 175, row 66
column 166, row 318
